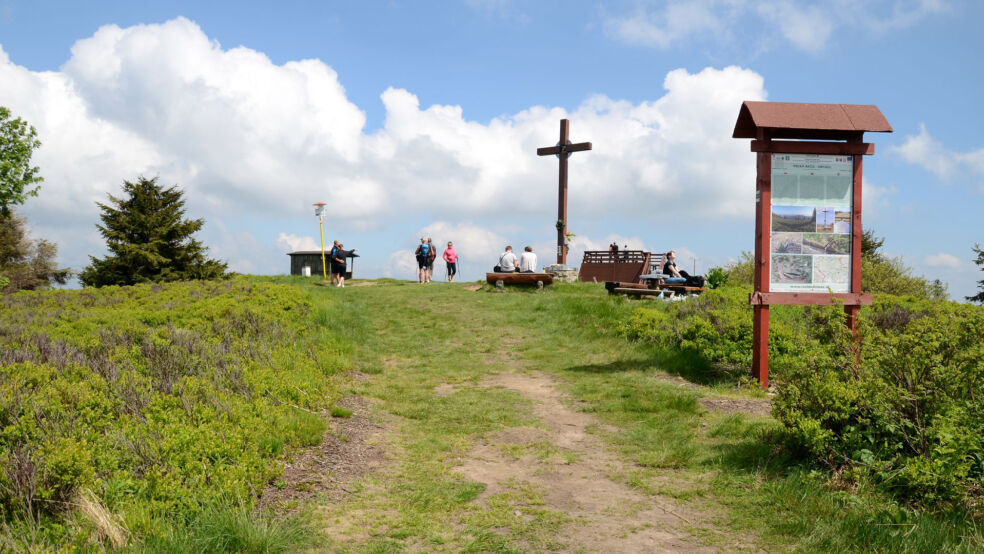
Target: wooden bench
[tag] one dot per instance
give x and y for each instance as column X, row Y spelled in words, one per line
column 538, row 279
column 623, row 266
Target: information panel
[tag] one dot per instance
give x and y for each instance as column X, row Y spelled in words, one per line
column 810, row 246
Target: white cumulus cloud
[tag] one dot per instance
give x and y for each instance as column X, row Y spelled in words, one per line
column 943, row 259
column 929, row 153
column 253, row 143
column 808, row 26
column 292, row 242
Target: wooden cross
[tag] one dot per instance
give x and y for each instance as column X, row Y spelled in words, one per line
column 563, row 150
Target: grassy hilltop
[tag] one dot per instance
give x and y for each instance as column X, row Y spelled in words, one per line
column 154, row 417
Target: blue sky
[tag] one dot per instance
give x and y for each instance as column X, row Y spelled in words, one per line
column 415, row 118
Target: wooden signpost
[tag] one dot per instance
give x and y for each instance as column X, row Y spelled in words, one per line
column 563, row 150
column 808, row 208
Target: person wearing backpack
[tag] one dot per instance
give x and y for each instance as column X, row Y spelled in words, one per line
column 331, row 260
column 338, row 263
column 422, row 253
column 431, row 256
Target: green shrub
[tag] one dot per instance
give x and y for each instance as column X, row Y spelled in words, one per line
column 165, row 400
column 910, row 417
column 891, row 276
column 716, row 327
column 742, row 270
column 717, row 276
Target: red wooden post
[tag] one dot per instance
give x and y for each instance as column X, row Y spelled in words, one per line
column 852, row 310
column 760, row 323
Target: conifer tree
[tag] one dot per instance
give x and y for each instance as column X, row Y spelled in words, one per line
column 148, row 239
column 26, row 264
column 979, row 297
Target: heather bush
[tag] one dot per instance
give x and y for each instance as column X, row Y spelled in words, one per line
column 164, row 400
column 909, row 417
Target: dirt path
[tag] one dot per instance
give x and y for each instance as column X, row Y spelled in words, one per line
column 607, row 516
column 475, row 445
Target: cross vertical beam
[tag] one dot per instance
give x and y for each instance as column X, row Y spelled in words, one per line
column 562, row 150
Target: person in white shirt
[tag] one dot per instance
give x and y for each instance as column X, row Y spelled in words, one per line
column 527, row 261
column 507, row 261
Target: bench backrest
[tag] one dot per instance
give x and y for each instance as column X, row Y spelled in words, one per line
column 656, row 262
column 622, row 266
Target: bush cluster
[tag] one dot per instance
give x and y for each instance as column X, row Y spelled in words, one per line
column 909, row 416
column 163, row 400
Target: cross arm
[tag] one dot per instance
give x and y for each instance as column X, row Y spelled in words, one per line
column 579, row 147
column 548, row 151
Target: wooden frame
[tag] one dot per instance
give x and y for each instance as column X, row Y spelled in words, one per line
column 822, row 129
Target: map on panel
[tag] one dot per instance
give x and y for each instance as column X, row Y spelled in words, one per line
column 810, row 246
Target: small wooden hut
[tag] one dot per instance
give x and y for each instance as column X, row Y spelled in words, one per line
column 312, row 260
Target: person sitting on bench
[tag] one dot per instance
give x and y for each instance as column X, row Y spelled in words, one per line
column 507, row 262
column 670, row 268
column 527, row 261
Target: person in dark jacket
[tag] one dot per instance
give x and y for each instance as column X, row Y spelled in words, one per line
column 338, row 262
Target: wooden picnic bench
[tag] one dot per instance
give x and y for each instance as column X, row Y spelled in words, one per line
column 652, row 284
column 538, row 279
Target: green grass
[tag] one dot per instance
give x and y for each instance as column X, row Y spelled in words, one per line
column 427, row 352
column 415, row 339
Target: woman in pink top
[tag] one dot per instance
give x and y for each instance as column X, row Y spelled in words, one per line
column 451, row 258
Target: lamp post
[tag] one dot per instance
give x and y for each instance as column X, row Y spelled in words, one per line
column 319, row 210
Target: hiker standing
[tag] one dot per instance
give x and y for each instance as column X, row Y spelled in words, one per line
column 431, row 256
column 421, row 254
column 425, row 255
column 451, row 258
column 331, row 260
column 338, row 262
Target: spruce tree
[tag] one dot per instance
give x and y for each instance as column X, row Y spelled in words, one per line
column 979, row 297
column 148, row 239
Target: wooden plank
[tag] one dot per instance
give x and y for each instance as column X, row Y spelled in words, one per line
column 806, row 147
column 809, row 299
column 637, row 292
column 678, row 287
column 617, row 284
column 519, row 278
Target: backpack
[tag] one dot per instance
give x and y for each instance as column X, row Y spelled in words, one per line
column 695, row 281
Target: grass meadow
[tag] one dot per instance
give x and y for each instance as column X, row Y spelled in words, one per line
column 216, row 385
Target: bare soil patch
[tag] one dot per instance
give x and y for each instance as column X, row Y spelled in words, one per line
column 575, row 476
column 347, row 452
column 445, row 389
column 753, row 406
